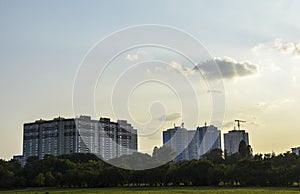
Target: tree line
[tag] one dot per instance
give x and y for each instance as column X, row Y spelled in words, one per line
column 214, row 169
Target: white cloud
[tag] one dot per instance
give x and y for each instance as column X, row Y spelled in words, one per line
column 287, row 47
column 178, row 67
column 132, row 57
column 172, row 67
column 257, row 47
column 283, row 47
column 275, row 103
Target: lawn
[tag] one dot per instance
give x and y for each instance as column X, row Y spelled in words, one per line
column 187, row 190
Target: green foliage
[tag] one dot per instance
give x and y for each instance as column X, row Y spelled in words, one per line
column 7, row 178
column 245, row 151
column 40, row 180
column 215, row 155
column 85, row 170
column 79, row 157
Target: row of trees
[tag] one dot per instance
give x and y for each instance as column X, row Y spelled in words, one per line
column 87, row 170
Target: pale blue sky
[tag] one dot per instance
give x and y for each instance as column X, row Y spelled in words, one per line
column 43, row 42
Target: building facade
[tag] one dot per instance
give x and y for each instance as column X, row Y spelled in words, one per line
column 232, row 140
column 192, row 144
column 209, row 139
column 59, row 136
column 177, row 138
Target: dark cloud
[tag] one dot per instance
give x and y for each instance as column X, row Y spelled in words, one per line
column 226, row 68
column 170, row 117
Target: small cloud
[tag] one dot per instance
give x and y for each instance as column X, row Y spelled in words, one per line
column 178, row 67
column 287, row 47
column 275, row 103
column 283, row 47
column 226, row 68
column 257, row 47
column 170, row 117
column 132, row 57
column 214, row 91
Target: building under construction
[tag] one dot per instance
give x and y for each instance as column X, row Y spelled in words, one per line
column 233, row 138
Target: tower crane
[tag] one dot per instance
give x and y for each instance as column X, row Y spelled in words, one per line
column 238, row 122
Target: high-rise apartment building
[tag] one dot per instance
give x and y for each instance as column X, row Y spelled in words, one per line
column 102, row 137
column 178, row 139
column 192, row 144
column 296, row 151
column 232, row 140
column 209, row 139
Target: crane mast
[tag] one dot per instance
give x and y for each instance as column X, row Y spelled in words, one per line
column 238, row 122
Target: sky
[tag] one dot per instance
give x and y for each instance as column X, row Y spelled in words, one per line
column 254, row 43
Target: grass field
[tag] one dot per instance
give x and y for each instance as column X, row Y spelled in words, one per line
column 185, row 190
